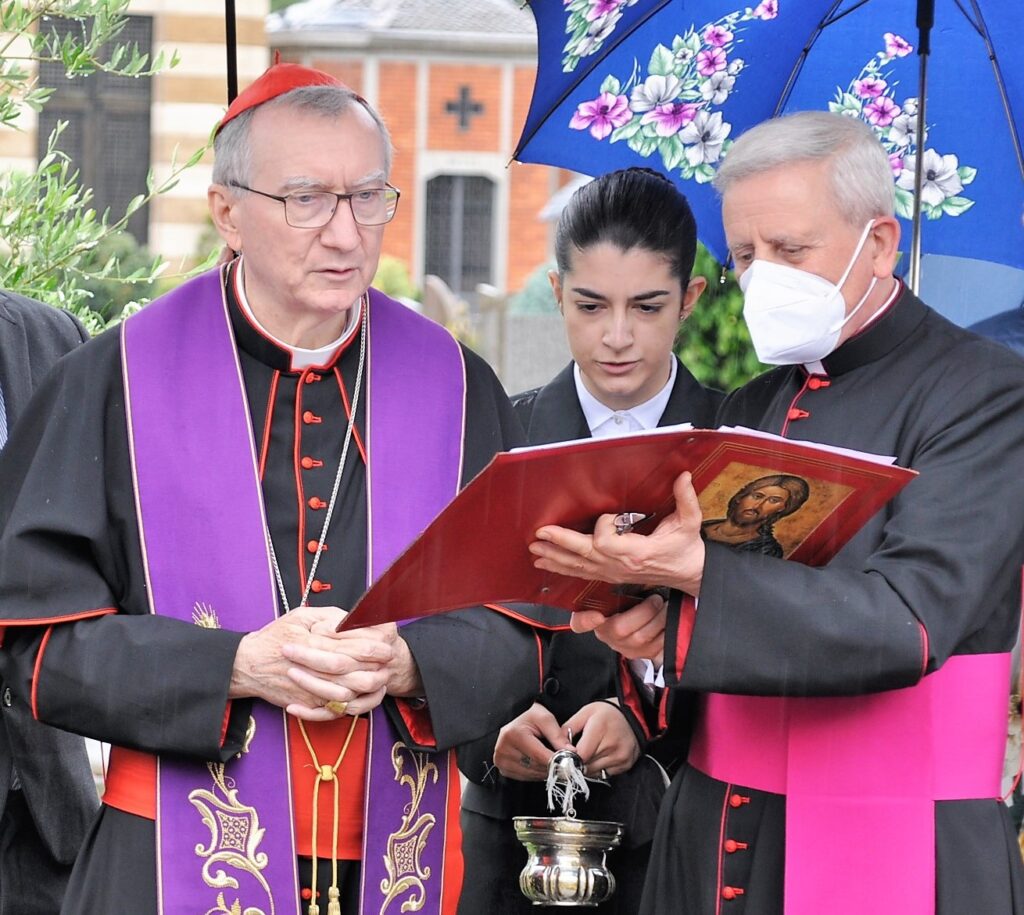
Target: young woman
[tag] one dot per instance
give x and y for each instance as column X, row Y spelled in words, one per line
column 624, row 248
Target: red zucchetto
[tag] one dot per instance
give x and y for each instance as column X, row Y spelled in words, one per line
column 277, row 80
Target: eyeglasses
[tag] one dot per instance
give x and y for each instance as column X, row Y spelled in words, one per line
column 374, row 206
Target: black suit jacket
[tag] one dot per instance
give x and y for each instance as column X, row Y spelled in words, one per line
column 53, row 766
column 579, row 669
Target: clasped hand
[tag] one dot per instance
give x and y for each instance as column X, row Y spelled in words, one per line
column 605, row 742
column 299, row 663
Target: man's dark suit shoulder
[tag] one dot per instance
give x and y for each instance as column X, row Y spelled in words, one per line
column 47, row 326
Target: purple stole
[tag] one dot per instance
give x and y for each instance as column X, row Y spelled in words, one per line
column 225, row 831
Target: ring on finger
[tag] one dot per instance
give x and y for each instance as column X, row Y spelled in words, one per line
column 337, row 706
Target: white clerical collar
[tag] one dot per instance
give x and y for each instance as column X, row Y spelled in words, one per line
column 602, row 420
column 818, row 368
column 301, row 358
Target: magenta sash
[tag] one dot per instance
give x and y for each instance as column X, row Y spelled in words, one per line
column 224, row 832
column 861, row 776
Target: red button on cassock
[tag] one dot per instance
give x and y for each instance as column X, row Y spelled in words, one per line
column 816, row 381
column 797, row 413
column 312, row 377
column 313, row 544
column 738, row 800
column 731, row 845
column 731, row 892
column 309, row 463
column 310, row 418
column 316, row 502
column 319, row 586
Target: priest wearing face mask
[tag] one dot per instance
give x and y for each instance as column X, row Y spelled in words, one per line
column 846, row 754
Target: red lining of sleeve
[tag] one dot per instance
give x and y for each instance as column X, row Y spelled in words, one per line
column 663, row 710
column 512, row 614
column 540, row 662
column 631, row 697
column 224, row 725
column 421, row 728
column 684, row 632
column 55, row 620
column 35, row 672
column 924, row 648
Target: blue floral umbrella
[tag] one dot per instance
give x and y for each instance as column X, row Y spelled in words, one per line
column 670, row 83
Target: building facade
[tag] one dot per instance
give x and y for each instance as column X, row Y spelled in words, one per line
column 453, row 80
column 119, row 129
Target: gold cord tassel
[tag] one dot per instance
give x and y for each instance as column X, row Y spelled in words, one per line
column 327, row 774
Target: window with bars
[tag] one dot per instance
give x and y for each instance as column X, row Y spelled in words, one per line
column 459, row 229
column 108, row 132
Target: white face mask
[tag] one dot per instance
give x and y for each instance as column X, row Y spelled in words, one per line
column 794, row 316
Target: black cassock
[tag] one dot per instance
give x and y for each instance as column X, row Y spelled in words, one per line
column 579, row 670
column 936, row 573
column 70, row 545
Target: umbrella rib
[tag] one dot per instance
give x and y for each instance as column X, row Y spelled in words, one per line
column 575, row 84
column 824, row 22
column 1007, row 108
column 967, row 16
column 829, row 20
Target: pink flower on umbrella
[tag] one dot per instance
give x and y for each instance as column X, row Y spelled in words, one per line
column 896, row 163
column 766, row 9
column 602, row 8
column 715, row 36
column 602, row 115
column 881, row 112
column 669, row 119
column 869, row 87
column 896, row 46
column 711, row 61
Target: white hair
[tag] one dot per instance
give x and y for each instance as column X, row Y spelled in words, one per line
column 233, row 145
column 862, row 182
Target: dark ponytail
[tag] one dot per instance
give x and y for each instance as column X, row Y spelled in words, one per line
column 630, row 208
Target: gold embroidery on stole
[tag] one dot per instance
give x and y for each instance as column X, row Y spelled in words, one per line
column 235, row 831
column 406, row 873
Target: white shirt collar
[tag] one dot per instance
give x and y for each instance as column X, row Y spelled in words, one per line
column 603, row 421
column 301, row 358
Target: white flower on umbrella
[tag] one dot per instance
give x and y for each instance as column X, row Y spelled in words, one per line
column 596, row 34
column 735, row 66
column 717, row 86
column 654, row 91
column 910, row 107
column 704, row 137
column 903, row 130
column 940, row 179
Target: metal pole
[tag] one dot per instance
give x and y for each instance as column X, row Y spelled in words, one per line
column 925, row 20
column 231, row 44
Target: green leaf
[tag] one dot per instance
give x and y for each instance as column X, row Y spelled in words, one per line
column 626, row 131
column 662, row 61
column 966, row 174
column 955, row 206
column 647, row 147
column 904, row 203
column 851, row 102
column 611, row 84
column 672, row 152
column 704, row 173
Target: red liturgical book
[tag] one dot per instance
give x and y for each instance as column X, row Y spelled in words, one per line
column 758, row 492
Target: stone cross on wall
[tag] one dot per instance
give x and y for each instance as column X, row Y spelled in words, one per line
column 464, row 108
